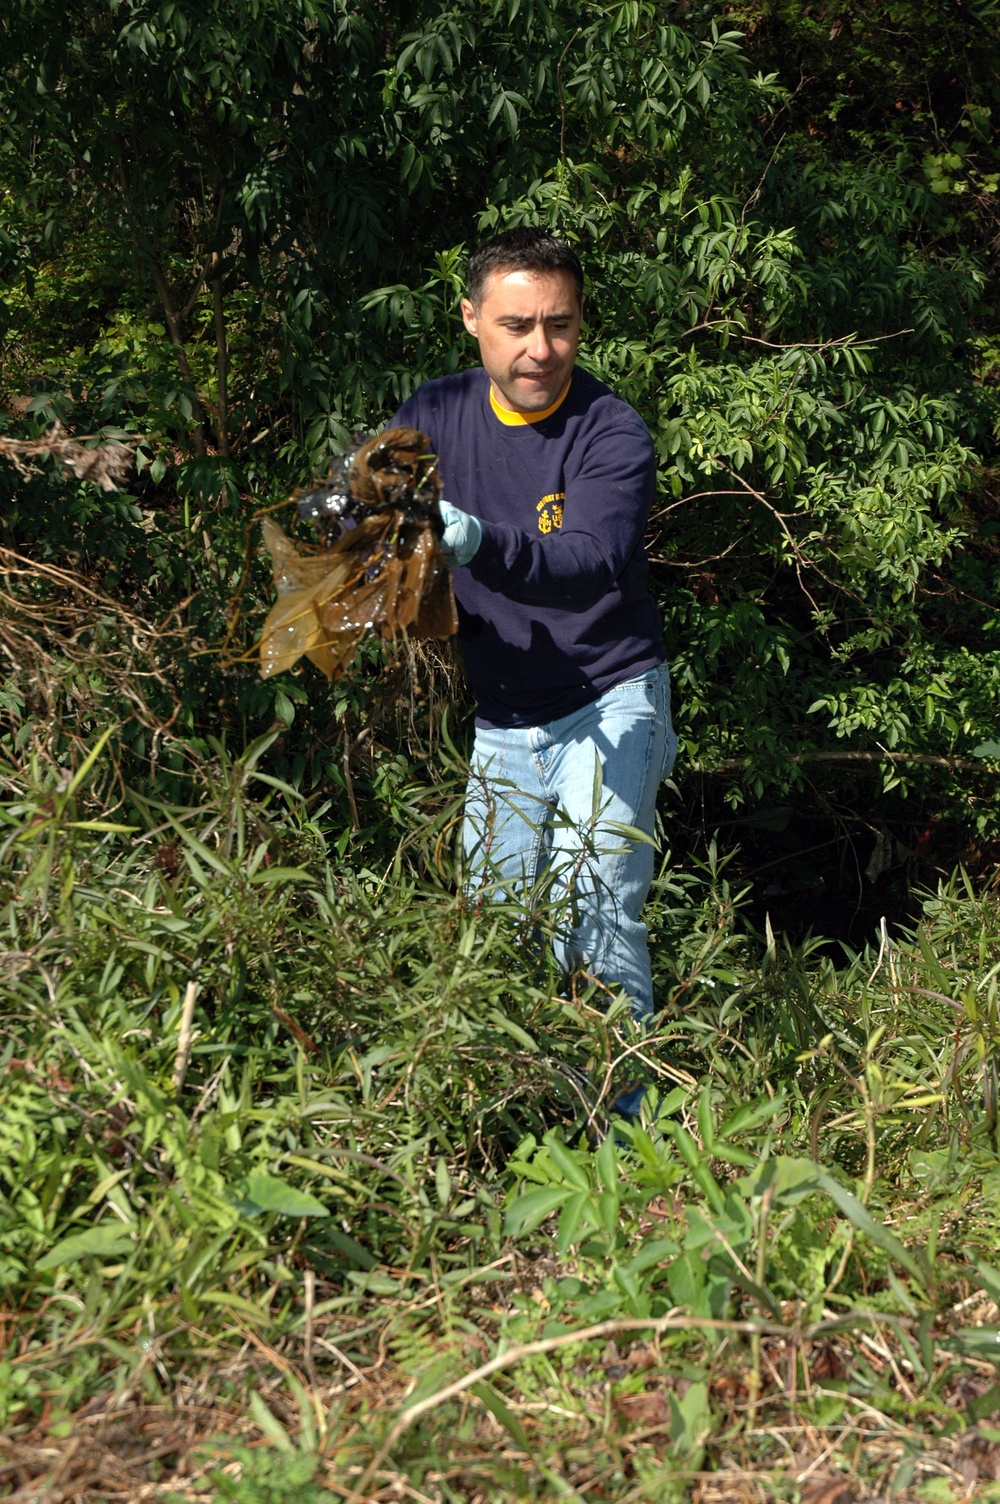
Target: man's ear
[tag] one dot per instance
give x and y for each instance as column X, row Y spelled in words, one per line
column 469, row 317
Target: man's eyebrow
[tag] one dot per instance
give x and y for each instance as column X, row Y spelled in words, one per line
column 528, row 318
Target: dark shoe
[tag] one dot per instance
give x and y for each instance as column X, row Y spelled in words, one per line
column 629, row 1101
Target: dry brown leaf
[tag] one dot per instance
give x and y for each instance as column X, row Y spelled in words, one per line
column 651, row 1408
column 829, row 1488
column 977, row 1458
column 825, row 1362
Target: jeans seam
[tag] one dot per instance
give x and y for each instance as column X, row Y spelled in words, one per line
column 650, row 678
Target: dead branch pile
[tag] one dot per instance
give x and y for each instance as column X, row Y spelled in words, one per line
column 72, row 657
column 103, row 465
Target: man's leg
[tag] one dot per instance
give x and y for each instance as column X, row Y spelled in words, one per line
column 627, row 735
column 536, row 812
column 505, row 835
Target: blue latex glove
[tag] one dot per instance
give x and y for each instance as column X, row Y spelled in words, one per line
column 461, row 537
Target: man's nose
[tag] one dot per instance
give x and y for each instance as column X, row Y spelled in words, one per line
column 539, row 344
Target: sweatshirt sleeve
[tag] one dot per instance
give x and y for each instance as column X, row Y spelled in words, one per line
column 609, row 490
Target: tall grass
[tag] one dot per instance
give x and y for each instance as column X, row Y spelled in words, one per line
column 288, row 1126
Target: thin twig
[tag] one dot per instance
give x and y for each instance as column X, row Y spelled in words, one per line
column 345, row 763
column 184, row 1037
column 926, row 759
column 296, row 1028
column 562, row 97
column 753, row 1394
column 799, row 557
column 310, row 1304
column 882, row 948
column 828, row 344
column 221, row 356
column 514, row 1355
column 755, row 195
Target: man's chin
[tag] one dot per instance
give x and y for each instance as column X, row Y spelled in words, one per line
column 532, row 396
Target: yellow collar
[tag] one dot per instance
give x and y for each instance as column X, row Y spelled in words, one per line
column 517, row 420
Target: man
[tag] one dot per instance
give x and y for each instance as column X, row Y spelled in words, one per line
column 549, row 478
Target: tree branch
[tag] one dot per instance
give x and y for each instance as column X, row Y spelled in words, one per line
column 923, row 759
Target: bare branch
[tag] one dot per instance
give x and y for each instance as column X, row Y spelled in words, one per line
column 921, row 759
column 828, row 344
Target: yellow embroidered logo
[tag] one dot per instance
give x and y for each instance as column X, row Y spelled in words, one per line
column 550, row 512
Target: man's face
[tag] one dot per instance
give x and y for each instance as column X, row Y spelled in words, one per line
column 528, row 328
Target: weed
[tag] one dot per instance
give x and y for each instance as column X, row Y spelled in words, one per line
column 379, row 1166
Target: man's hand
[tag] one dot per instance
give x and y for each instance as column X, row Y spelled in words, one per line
column 461, row 537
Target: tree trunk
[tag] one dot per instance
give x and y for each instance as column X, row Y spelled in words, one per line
column 174, row 328
column 221, row 355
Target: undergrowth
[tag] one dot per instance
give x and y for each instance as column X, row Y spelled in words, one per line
column 309, row 1183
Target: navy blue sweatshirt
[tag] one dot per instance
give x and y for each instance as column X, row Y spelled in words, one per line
column 553, row 610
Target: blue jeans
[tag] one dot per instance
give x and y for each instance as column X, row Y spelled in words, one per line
column 543, row 809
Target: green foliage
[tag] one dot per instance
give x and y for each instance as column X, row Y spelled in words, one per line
column 382, row 1090
column 388, row 1130
column 790, row 309
column 270, row 1478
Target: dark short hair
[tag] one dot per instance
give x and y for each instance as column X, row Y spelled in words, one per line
column 526, row 249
